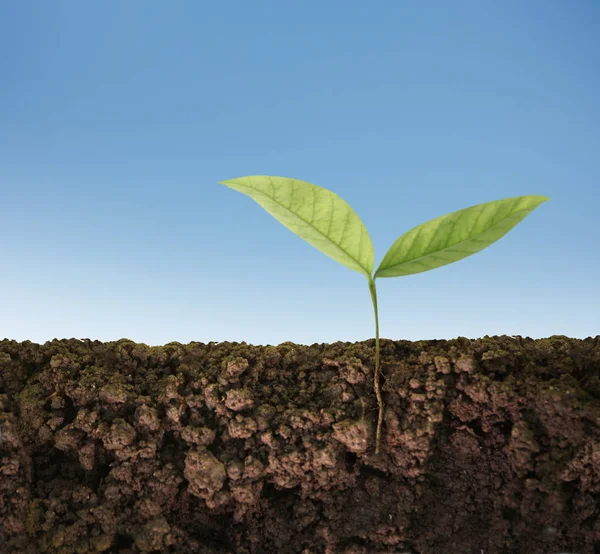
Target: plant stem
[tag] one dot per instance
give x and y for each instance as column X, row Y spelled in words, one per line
column 373, row 290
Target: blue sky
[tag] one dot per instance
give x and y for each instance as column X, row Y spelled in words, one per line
column 118, row 119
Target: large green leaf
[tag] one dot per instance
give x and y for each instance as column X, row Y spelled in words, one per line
column 315, row 214
column 455, row 236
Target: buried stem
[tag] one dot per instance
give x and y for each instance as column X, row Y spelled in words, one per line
column 373, row 290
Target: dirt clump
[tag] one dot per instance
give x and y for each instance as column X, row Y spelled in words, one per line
column 489, row 445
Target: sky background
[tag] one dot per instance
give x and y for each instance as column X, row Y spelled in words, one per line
column 118, row 119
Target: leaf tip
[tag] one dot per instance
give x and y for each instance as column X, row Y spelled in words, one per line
column 542, row 199
column 538, row 199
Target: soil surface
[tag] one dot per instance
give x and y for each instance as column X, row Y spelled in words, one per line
column 488, row 446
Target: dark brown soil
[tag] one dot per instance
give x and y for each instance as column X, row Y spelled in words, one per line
column 488, row 446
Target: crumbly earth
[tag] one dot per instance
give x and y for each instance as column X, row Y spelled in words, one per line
column 488, row 446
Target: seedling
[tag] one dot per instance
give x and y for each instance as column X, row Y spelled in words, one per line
column 324, row 220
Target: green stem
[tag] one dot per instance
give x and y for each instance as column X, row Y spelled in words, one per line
column 373, row 290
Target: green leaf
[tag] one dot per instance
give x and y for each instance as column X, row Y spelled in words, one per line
column 455, row 236
column 315, row 214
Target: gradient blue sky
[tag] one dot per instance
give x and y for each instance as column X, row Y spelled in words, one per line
column 117, row 120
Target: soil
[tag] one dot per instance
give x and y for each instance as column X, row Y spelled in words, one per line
column 488, row 446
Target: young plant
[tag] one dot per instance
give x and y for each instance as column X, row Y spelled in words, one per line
column 324, row 220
